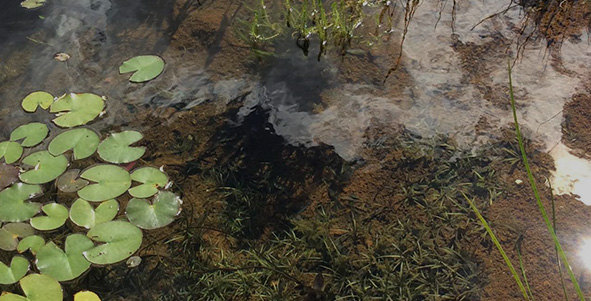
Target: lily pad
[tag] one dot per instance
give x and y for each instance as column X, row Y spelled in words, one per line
column 146, row 67
column 33, row 133
column 57, row 214
column 37, row 288
column 19, row 266
column 161, row 212
column 86, row 296
column 116, row 149
column 46, row 167
column 37, row 99
column 33, row 243
column 69, row 181
column 10, row 233
column 121, row 239
column 84, row 215
column 8, row 175
column 111, row 182
column 151, row 178
column 13, row 207
column 68, row 265
column 83, row 141
column 30, row 4
column 77, row 109
column 11, row 151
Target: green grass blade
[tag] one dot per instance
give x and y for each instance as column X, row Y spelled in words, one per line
column 532, row 183
column 499, row 247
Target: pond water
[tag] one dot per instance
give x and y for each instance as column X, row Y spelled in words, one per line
column 288, row 152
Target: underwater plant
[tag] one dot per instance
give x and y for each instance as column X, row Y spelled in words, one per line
column 112, row 236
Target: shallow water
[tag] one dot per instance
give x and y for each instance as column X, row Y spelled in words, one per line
column 449, row 83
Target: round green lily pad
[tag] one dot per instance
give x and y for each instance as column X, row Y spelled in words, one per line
column 8, row 175
column 86, row 296
column 146, row 67
column 30, row 4
column 68, row 265
column 84, row 215
column 111, row 181
column 69, row 181
column 83, row 141
column 120, row 240
column 10, row 233
column 57, row 214
column 19, row 266
column 37, row 288
column 46, row 167
column 37, row 99
column 33, row 133
column 151, row 178
column 13, row 207
column 33, row 243
column 159, row 213
column 11, row 151
column 77, row 109
column 116, row 149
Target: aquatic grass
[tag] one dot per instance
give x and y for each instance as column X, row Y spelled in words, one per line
column 497, row 244
column 536, row 192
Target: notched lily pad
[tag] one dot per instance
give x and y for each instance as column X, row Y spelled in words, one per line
column 19, row 266
column 33, row 133
column 69, row 181
column 57, row 214
column 11, row 151
column 37, row 288
column 77, row 109
column 83, row 141
column 159, row 213
column 37, row 99
column 10, row 233
column 84, row 215
column 110, row 181
column 8, row 175
column 33, row 243
column 30, row 4
column 116, row 148
column 46, row 167
column 68, row 265
column 120, row 240
column 13, row 207
column 146, row 67
column 86, row 296
column 151, row 178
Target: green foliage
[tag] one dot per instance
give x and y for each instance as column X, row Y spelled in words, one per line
column 56, row 216
column 32, row 134
column 68, row 265
column 37, row 288
column 84, row 142
column 120, row 240
column 158, row 213
column 44, row 167
column 37, row 99
column 76, row 109
column 116, row 148
column 19, row 266
column 84, row 215
column 151, row 178
column 11, row 151
column 107, row 241
column 145, row 68
column 110, row 181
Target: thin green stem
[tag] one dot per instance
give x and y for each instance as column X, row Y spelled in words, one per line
column 499, row 247
column 532, row 183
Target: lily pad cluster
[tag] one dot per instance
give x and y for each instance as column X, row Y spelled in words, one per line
column 90, row 200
